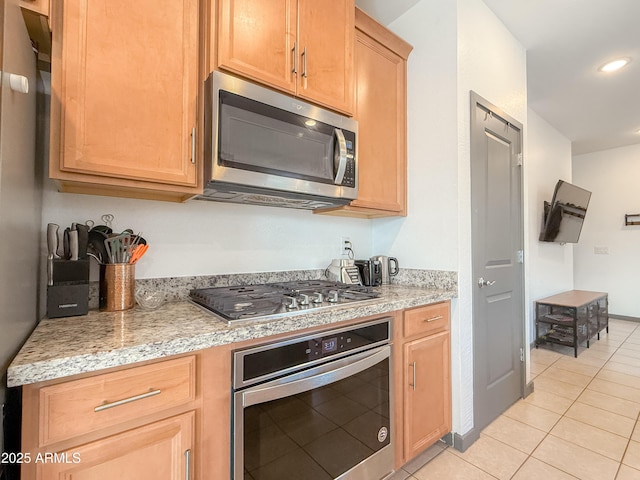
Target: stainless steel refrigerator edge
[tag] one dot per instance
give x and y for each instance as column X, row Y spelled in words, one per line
column 20, row 189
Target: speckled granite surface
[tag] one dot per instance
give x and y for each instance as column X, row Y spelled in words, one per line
column 68, row 346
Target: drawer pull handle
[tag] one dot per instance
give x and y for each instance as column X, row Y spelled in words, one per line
column 433, row 319
column 124, row 401
column 413, row 365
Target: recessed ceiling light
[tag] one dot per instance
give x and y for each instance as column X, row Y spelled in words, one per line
column 614, row 65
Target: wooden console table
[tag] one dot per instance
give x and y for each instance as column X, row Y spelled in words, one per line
column 571, row 318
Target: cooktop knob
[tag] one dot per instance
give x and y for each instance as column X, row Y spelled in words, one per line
column 333, row 296
column 318, row 297
column 304, row 299
column 291, row 304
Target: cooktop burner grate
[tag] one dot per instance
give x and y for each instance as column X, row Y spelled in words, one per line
column 271, row 299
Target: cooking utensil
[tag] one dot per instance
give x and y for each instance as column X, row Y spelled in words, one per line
column 96, row 245
column 139, row 251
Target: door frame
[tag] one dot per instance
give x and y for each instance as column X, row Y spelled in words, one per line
column 477, row 100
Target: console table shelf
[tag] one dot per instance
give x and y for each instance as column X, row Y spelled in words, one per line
column 571, row 318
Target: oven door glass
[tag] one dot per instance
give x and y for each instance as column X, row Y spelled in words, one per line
column 319, row 433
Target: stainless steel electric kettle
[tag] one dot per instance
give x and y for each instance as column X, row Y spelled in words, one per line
column 389, row 266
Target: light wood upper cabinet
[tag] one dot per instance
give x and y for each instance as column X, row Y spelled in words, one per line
column 256, row 39
column 303, row 47
column 124, row 88
column 41, row 7
column 380, row 72
column 325, row 48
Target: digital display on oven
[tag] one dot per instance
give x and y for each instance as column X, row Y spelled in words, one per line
column 329, row 345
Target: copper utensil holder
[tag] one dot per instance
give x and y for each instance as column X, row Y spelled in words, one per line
column 117, row 286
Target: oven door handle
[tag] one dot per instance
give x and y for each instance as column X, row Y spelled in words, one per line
column 315, row 377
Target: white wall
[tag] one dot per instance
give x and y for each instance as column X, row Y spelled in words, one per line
column 549, row 266
column 492, row 63
column 612, row 177
column 207, row 238
column 427, row 237
column 458, row 47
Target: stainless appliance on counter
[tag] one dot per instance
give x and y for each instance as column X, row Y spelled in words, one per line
column 389, row 267
column 370, row 272
column 263, row 302
column 316, row 406
column 264, row 147
column 344, row 270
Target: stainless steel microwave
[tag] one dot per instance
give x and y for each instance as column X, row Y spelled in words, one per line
column 264, row 147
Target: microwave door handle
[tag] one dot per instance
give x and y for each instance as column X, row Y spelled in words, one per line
column 341, row 147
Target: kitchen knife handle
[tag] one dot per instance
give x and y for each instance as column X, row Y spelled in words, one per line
column 52, row 239
column 83, row 241
column 73, row 245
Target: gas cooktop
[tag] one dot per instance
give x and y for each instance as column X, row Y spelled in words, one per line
column 263, row 302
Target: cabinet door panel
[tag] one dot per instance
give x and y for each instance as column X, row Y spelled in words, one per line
column 256, row 39
column 155, row 451
column 380, row 111
column 326, row 34
column 427, row 405
column 127, row 86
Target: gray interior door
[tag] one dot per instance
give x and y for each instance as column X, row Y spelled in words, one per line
column 497, row 239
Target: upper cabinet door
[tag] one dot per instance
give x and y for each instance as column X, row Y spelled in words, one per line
column 124, row 88
column 257, row 39
column 303, row 47
column 326, row 46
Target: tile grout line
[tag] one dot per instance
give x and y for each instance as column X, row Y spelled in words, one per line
column 572, row 403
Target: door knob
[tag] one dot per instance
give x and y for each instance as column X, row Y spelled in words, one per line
column 485, row 283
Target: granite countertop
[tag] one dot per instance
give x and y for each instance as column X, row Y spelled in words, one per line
column 68, row 346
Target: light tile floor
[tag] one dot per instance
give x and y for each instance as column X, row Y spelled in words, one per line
column 580, row 422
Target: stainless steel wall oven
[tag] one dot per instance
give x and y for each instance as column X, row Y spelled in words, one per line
column 315, row 407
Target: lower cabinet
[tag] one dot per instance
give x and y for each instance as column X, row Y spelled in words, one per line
column 160, row 450
column 423, row 396
column 427, row 399
column 135, row 423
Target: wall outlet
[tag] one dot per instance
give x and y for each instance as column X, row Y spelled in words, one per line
column 346, row 248
column 601, row 250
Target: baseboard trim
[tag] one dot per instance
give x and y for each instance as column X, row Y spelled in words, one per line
column 462, row 442
column 625, row 317
column 528, row 389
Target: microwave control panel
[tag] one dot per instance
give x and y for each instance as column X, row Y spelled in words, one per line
column 349, row 179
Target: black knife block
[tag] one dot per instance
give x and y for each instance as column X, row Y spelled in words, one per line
column 69, row 294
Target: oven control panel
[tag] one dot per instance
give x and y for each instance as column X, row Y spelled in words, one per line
column 268, row 361
column 325, row 346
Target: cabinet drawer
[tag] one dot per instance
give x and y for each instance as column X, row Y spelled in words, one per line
column 426, row 320
column 81, row 406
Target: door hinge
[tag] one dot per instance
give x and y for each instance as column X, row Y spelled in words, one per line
column 522, row 354
column 519, row 160
column 520, row 256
